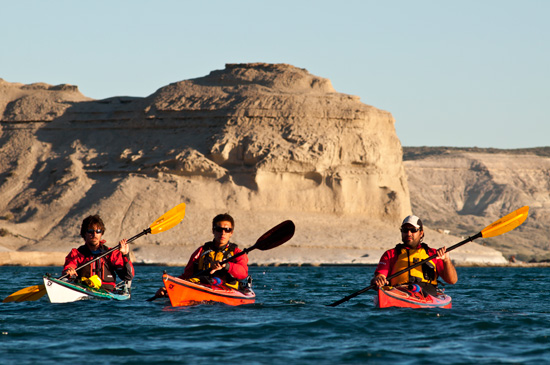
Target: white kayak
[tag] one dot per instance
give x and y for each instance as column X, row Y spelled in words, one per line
column 60, row 291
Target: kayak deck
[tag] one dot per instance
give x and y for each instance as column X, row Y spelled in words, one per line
column 403, row 297
column 60, row 291
column 185, row 293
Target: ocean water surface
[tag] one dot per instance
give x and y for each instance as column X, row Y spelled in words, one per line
column 499, row 315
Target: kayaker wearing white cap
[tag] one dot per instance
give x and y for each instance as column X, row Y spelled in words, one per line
column 413, row 250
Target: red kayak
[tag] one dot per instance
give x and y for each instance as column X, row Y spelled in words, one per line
column 407, row 297
column 184, row 293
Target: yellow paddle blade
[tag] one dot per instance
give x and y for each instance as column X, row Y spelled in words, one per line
column 506, row 223
column 168, row 219
column 30, row 293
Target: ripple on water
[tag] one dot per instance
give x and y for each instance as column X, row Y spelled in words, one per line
column 499, row 315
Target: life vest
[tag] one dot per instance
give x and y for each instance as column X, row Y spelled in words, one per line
column 211, row 254
column 425, row 273
column 100, row 268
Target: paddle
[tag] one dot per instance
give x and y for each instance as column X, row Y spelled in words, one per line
column 503, row 225
column 168, row 220
column 275, row 237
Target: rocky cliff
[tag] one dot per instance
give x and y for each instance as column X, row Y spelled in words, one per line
column 462, row 190
column 264, row 142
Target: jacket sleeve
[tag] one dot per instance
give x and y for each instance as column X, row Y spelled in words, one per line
column 386, row 263
column 72, row 260
column 439, row 265
column 238, row 268
column 190, row 267
column 122, row 264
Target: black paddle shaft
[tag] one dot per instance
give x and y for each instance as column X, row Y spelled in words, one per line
column 338, row 302
column 246, row 250
column 144, row 232
column 276, row 236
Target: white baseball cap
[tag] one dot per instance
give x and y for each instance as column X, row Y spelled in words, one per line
column 413, row 220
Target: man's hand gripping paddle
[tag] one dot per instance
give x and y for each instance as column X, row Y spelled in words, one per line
column 168, row 220
column 503, row 225
column 275, row 237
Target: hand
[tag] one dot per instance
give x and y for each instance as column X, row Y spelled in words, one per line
column 443, row 254
column 124, row 247
column 71, row 272
column 217, row 267
column 379, row 280
column 161, row 292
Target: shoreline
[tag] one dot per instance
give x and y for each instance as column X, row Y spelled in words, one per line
column 525, row 264
column 51, row 259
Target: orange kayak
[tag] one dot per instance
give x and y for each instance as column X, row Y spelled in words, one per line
column 184, row 293
column 403, row 296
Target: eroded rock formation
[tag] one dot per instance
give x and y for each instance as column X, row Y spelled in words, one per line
column 261, row 141
column 464, row 190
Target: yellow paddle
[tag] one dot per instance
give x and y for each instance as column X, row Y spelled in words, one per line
column 168, row 220
column 503, row 225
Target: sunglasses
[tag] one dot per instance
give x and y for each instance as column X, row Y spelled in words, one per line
column 223, row 229
column 92, row 231
column 412, row 230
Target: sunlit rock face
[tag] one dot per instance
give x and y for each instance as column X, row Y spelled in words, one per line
column 287, row 137
column 262, row 141
column 463, row 190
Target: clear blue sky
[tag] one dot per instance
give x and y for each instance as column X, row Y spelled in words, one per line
column 471, row 73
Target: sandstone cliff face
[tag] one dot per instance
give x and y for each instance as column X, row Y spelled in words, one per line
column 264, row 142
column 287, row 137
column 464, row 190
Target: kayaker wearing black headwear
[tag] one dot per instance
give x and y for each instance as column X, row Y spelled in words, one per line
column 117, row 262
column 413, row 250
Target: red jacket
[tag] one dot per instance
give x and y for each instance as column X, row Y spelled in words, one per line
column 105, row 267
column 237, row 268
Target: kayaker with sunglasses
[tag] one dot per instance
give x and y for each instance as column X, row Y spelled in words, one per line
column 413, row 250
column 204, row 264
column 116, row 263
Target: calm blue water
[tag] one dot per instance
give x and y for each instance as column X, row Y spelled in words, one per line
column 499, row 315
